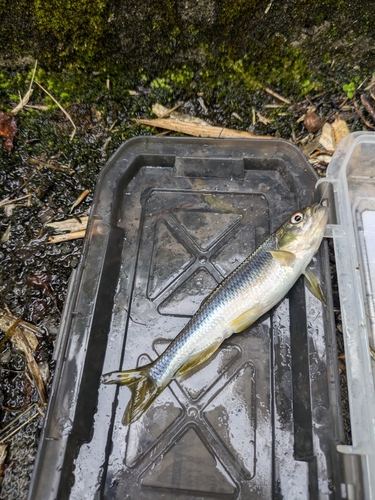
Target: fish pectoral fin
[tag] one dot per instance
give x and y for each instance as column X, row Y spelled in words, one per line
column 314, row 286
column 197, row 360
column 245, row 319
column 283, row 257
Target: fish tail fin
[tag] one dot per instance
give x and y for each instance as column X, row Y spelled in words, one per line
column 144, row 390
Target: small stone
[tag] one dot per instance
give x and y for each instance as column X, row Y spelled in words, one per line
column 74, row 262
column 65, row 249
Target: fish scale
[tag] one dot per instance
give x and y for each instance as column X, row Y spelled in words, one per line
column 251, row 290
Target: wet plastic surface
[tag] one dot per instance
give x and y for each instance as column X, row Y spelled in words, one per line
column 351, row 174
column 171, row 218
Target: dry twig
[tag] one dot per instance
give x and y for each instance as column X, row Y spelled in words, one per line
column 62, row 109
column 59, row 238
column 3, row 455
column 27, row 96
column 19, row 427
column 197, row 130
column 367, row 123
column 79, row 200
column 8, row 201
column 370, row 110
column 276, row 95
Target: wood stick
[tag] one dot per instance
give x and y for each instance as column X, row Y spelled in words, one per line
column 198, row 130
column 76, row 235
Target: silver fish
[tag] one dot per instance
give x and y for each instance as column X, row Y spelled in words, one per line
column 251, row 290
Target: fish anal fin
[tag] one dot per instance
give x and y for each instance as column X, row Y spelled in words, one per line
column 245, row 319
column 197, row 360
column 283, row 257
column 313, row 285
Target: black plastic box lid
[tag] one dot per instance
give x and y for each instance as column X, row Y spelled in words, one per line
column 170, row 219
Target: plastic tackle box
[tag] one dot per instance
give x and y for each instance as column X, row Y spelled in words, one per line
column 170, row 219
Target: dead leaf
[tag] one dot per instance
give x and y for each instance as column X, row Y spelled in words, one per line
column 20, row 341
column 22, row 335
column 309, row 145
column 6, row 234
column 8, row 321
column 340, row 130
column 8, row 130
column 326, row 139
column 320, row 158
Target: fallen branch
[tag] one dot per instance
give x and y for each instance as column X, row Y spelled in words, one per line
column 198, row 130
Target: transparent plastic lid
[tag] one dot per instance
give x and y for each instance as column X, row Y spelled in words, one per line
column 352, row 176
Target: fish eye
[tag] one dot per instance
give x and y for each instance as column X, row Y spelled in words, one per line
column 296, row 218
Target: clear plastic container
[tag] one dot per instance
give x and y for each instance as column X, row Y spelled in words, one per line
column 171, row 217
column 351, row 174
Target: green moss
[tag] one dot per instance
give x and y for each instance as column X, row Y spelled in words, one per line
column 177, row 78
column 232, row 10
column 77, row 26
column 162, row 43
column 4, row 81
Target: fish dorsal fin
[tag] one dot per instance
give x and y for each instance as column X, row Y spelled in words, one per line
column 313, row 285
column 197, row 360
column 283, row 257
column 245, row 319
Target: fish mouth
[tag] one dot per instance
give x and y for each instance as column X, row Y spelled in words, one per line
column 320, row 211
column 320, row 217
